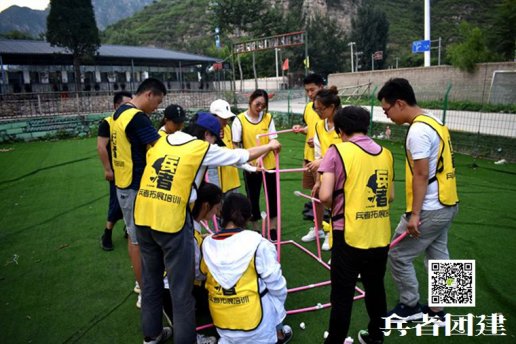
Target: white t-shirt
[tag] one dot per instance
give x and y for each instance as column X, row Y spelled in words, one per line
column 236, row 127
column 423, row 142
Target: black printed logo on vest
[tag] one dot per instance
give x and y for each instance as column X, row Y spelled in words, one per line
column 377, row 188
column 229, row 292
column 165, row 169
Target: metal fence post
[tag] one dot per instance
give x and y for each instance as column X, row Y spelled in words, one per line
column 372, row 99
column 445, row 103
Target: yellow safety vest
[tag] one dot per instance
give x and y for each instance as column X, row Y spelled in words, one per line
column 310, row 117
column 249, row 132
column 366, row 196
column 166, row 185
column 162, row 133
column 326, row 138
column 228, row 175
column 238, row 308
column 121, row 148
column 445, row 172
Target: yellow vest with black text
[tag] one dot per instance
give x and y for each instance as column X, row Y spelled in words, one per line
column 367, row 189
column 445, row 173
column 238, row 308
column 326, row 138
column 228, row 175
column 121, row 148
column 249, row 132
column 310, row 117
column 166, row 185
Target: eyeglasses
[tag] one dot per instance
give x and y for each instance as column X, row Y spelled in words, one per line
column 260, row 104
column 386, row 111
column 319, row 110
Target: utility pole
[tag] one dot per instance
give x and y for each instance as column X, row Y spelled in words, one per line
column 427, row 31
column 372, row 62
column 351, row 44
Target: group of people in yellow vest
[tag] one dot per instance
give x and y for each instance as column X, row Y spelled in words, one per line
column 161, row 185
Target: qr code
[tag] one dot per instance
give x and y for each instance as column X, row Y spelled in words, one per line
column 451, row 283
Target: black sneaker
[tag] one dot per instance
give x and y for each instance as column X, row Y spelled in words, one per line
column 106, row 243
column 287, row 335
column 365, row 338
column 406, row 313
column 274, row 235
column 125, row 233
column 439, row 316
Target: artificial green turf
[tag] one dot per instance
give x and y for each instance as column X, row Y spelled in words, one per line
column 57, row 285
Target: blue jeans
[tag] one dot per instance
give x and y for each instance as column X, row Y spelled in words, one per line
column 433, row 241
column 173, row 252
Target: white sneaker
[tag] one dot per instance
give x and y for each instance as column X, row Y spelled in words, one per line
column 310, row 236
column 165, row 334
column 139, row 302
column 202, row 339
column 326, row 244
column 137, row 289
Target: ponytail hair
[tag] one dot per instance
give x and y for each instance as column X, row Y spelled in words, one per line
column 328, row 96
column 236, row 209
column 207, row 193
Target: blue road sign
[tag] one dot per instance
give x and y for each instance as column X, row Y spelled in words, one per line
column 420, row 46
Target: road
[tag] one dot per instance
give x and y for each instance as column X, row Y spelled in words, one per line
column 489, row 123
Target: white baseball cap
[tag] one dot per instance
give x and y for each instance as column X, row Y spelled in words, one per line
column 221, row 108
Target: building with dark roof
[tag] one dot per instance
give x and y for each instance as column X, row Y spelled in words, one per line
column 36, row 66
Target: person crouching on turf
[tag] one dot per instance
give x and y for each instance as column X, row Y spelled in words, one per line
column 246, row 288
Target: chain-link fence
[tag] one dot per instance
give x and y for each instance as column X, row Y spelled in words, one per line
column 482, row 130
column 477, row 129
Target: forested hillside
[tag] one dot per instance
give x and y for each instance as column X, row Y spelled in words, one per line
column 189, row 25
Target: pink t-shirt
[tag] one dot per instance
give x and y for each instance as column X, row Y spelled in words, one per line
column 333, row 163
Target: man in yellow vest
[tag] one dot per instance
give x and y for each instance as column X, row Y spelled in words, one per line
column 104, row 151
column 175, row 168
column 132, row 133
column 431, row 195
column 357, row 184
column 313, row 83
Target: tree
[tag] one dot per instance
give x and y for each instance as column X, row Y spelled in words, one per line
column 326, row 46
column 71, row 25
column 472, row 49
column 502, row 35
column 370, row 30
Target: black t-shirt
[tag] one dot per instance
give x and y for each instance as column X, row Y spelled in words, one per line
column 140, row 133
column 104, row 132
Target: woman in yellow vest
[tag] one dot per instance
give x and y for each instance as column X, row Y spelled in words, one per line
column 357, row 183
column 226, row 177
column 326, row 104
column 256, row 120
column 246, row 288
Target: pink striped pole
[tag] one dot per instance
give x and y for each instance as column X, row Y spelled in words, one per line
column 215, row 223
column 205, row 225
column 287, row 170
column 275, row 133
column 398, row 239
column 278, row 206
column 314, row 210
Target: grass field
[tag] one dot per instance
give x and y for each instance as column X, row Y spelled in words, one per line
column 57, row 285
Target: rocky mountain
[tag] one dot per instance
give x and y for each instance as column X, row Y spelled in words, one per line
column 34, row 22
column 23, row 19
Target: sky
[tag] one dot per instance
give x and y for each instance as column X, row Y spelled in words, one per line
column 35, row 4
